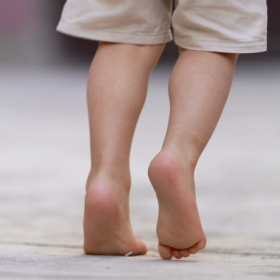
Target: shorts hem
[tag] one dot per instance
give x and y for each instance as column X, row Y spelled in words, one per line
column 113, row 36
column 221, row 46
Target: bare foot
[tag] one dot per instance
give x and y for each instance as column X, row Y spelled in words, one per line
column 107, row 228
column 179, row 229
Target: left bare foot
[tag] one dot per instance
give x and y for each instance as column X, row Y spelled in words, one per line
column 179, row 229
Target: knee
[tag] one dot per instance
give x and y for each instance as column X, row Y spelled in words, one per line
column 148, row 54
column 150, row 50
column 231, row 56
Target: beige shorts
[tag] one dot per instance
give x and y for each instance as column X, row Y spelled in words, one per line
column 233, row 26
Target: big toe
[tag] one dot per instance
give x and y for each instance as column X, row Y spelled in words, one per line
column 165, row 252
column 198, row 246
column 142, row 248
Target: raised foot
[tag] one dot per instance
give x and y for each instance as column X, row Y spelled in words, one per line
column 179, row 229
column 107, row 228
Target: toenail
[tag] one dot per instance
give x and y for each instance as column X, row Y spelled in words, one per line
column 128, row 254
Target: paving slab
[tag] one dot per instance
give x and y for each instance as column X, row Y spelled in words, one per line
column 45, row 161
column 35, row 262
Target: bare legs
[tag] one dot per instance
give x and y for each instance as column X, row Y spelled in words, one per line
column 118, row 79
column 117, row 88
column 198, row 89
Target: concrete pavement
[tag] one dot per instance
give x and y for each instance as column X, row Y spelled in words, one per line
column 45, row 159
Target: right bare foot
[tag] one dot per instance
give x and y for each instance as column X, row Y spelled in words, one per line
column 107, row 228
column 179, row 229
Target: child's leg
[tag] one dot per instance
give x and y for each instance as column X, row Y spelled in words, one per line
column 199, row 87
column 117, row 87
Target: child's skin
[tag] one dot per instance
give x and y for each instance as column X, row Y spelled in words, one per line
column 118, row 80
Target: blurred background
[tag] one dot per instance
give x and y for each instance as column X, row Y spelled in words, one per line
column 44, row 140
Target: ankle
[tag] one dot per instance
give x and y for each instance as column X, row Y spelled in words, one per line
column 187, row 159
column 108, row 176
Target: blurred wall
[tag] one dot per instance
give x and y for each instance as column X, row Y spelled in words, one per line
column 28, row 36
column 27, row 33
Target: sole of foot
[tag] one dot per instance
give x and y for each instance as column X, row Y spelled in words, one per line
column 179, row 228
column 107, row 228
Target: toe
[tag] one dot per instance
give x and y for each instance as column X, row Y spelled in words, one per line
column 198, row 246
column 193, row 250
column 176, row 254
column 184, row 253
column 201, row 244
column 142, row 248
column 165, row 252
